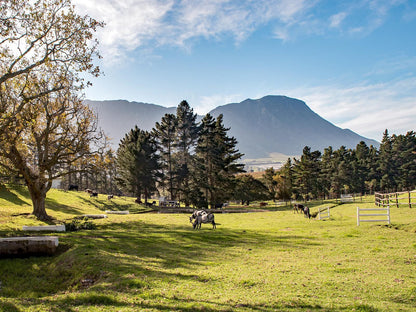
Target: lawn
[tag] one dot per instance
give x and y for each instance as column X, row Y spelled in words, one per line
column 262, row 261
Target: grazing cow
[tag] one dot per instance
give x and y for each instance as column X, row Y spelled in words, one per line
column 73, row 187
column 218, row 206
column 196, row 214
column 94, row 194
column 204, row 218
column 109, row 197
column 138, row 201
column 298, row 208
column 307, row 212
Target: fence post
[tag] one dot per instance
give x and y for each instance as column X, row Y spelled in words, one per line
column 410, row 203
column 397, row 200
column 358, row 216
column 388, row 214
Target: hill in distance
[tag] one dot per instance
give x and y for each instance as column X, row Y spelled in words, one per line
column 272, row 125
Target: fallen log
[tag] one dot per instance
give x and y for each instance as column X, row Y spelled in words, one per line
column 28, row 246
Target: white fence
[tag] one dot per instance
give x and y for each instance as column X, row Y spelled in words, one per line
column 323, row 213
column 379, row 214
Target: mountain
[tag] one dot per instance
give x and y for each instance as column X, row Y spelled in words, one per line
column 272, row 124
column 118, row 117
column 282, row 124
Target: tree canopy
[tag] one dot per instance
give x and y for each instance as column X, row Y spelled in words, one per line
column 44, row 48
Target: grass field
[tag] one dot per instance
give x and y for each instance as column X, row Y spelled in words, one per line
column 263, row 261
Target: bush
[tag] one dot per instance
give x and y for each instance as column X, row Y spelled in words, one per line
column 79, row 224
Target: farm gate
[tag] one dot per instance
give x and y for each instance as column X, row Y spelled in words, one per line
column 323, row 213
column 378, row 213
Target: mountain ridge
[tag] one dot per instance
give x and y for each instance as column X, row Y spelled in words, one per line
column 271, row 124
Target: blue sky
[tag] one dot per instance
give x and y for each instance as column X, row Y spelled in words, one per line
column 353, row 62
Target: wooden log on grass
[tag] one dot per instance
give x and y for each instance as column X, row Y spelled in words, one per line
column 50, row 228
column 123, row 212
column 26, row 246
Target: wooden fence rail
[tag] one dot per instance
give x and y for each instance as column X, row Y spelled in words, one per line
column 379, row 214
column 323, row 213
column 395, row 199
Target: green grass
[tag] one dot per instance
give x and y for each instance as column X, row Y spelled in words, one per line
column 263, row 261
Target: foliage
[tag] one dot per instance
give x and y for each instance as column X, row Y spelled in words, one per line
column 165, row 135
column 186, row 137
column 360, row 170
column 248, row 189
column 79, row 224
column 138, row 163
column 216, row 157
column 44, row 48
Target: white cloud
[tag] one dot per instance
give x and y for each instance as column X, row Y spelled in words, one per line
column 131, row 24
column 336, row 20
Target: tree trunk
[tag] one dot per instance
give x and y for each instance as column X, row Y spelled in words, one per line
column 38, row 196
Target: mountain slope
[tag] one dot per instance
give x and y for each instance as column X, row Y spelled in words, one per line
column 282, row 124
column 118, row 117
column 272, row 124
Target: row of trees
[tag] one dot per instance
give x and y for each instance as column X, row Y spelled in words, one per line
column 361, row 170
column 185, row 160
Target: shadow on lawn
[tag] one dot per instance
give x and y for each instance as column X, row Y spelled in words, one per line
column 52, row 204
column 13, row 198
column 108, row 302
column 130, row 257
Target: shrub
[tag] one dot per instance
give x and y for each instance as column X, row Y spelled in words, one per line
column 79, row 224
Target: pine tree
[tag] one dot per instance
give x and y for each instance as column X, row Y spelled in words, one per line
column 186, row 138
column 217, row 157
column 138, row 163
column 404, row 157
column 269, row 181
column 386, row 164
column 307, row 171
column 165, row 134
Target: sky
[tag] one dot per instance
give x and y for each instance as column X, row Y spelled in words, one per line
column 352, row 62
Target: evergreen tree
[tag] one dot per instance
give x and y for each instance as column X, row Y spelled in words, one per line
column 185, row 141
column 248, row 189
column 328, row 168
column 386, row 164
column 269, row 181
column 284, row 181
column 138, row 163
column 404, row 157
column 165, row 134
column 361, row 165
column 307, row 171
column 217, row 160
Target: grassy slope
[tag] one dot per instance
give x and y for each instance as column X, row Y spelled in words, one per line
column 263, row 261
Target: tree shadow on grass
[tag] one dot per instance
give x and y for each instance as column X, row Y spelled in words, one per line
column 106, row 302
column 129, row 258
column 12, row 197
column 52, row 204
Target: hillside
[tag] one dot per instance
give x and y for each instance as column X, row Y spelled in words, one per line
column 263, row 261
column 118, row 117
column 281, row 124
column 272, row 124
